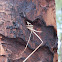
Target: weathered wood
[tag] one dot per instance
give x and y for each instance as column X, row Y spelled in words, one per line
column 14, row 15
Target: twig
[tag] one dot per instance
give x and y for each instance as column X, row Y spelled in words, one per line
column 27, row 43
column 25, row 47
column 33, row 52
column 38, row 37
column 31, row 29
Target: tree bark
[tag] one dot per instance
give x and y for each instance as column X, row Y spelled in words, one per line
column 14, row 33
